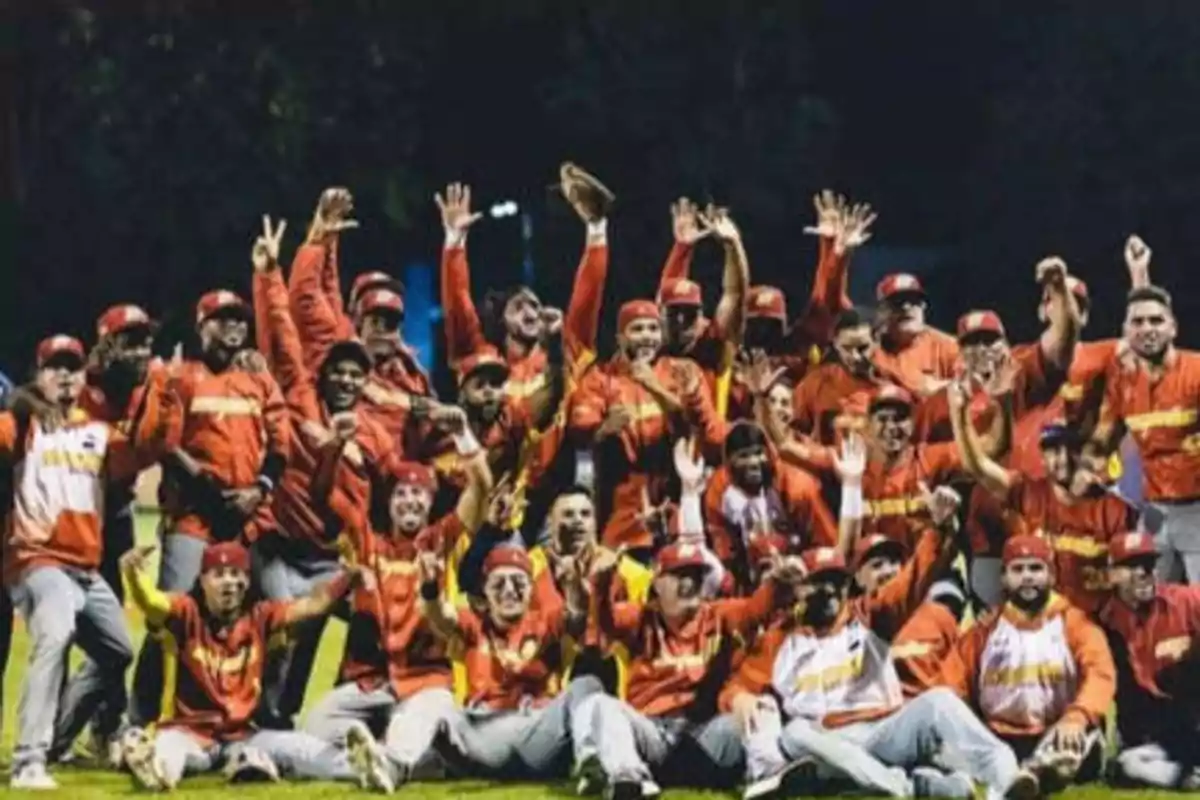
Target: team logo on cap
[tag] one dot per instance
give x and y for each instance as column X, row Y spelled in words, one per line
column 766, row 298
column 904, row 283
column 684, row 287
column 974, row 320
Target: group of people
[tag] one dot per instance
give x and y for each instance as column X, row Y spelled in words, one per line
column 841, row 551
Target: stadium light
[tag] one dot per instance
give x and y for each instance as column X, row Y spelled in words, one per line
column 508, row 208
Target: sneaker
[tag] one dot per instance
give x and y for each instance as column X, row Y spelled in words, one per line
column 33, row 776
column 251, row 765
column 589, row 777
column 932, row 782
column 368, row 760
column 650, row 790
column 1024, row 787
column 137, row 753
column 777, row 783
column 625, row 790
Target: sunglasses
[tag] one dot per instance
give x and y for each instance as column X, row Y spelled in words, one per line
column 497, row 583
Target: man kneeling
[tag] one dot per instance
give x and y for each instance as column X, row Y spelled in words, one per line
column 220, row 646
column 1038, row 670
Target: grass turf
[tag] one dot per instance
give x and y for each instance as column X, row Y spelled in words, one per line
column 79, row 783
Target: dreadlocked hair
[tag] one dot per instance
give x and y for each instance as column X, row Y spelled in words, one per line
column 491, row 315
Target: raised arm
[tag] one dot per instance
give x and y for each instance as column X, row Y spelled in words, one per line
column 976, row 462
column 155, row 605
column 1137, row 260
column 473, row 502
column 157, row 425
column 1059, row 338
column 436, row 608
column 319, row 318
column 464, row 330
column 841, row 229
column 850, row 465
column 279, row 338
column 688, row 229
column 321, row 601
column 730, row 316
column 591, row 201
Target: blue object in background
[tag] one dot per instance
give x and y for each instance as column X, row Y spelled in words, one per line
column 421, row 313
column 6, row 387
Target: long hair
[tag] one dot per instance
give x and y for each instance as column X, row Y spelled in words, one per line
column 491, row 314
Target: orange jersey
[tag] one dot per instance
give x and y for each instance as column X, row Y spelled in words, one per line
column 847, row 673
column 528, row 370
column 508, row 670
column 892, row 495
column 822, row 397
column 667, row 666
column 636, row 462
column 930, row 354
column 791, row 505
column 296, row 514
column 389, row 642
column 1163, row 416
column 922, row 645
column 1024, row 674
column 232, row 421
column 60, row 480
column 218, row 674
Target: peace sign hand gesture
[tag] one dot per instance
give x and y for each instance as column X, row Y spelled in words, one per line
column 265, row 254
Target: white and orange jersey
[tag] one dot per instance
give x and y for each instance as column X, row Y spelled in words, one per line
column 1025, row 673
column 59, row 481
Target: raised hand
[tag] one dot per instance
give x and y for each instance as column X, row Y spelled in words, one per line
column 942, row 502
column 616, row 420
column 1137, row 259
column 606, row 560
column 451, row 419
column 345, row 425
column 332, row 215
column 851, row 461
column 502, row 503
column 1004, row 378
column 552, row 322
column 429, row 566
column 829, row 209
column 265, row 253
column 1052, row 271
column 455, row 206
column 686, row 222
column 760, row 377
column 854, row 230
column 721, row 224
column 250, row 360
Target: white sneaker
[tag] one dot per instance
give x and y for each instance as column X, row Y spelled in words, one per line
column 368, row 760
column 137, row 753
column 589, row 777
column 251, row 765
column 932, row 782
column 33, row 776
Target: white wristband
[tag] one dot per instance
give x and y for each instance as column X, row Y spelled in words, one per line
column 466, row 444
column 691, row 515
column 597, row 232
column 852, row 501
column 455, row 238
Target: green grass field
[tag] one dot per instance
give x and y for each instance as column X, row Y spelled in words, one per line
column 79, row 783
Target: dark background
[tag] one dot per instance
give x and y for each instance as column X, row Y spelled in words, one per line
column 143, row 140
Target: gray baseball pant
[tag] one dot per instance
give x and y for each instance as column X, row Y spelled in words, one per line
column 1149, row 765
column 531, row 742
column 178, row 571
column 1178, row 540
column 630, row 746
column 410, row 725
column 296, row 755
column 283, row 577
column 877, row 755
column 62, row 607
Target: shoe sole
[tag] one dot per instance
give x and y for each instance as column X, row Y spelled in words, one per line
column 366, row 761
column 1025, row 787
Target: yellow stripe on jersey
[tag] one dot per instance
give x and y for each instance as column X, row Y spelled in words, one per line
column 226, row 406
column 1044, row 672
column 1171, row 418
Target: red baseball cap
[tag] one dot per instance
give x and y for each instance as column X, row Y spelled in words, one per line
column 507, row 555
column 898, row 283
column 680, row 292
column 876, row 542
column 680, row 555
column 122, row 318
column 1026, row 546
column 824, row 559
column 380, row 300
column 59, row 345
column 891, row 395
column 369, row 280
column 974, row 322
column 478, row 362
column 1128, row 546
column 218, row 301
column 635, row 310
column 766, row 302
column 225, row 554
column 413, row 473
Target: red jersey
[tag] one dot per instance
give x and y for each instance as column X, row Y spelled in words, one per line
column 824, row 395
column 892, row 494
column 218, row 673
column 931, row 354
column 921, row 646
column 511, row 669
column 1163, row 416
column 666, row 667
